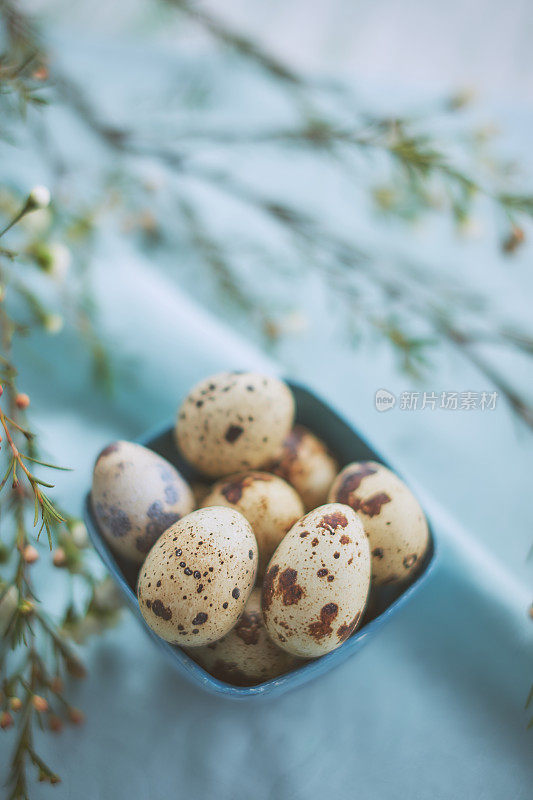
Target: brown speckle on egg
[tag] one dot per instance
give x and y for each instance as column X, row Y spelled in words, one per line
column 323, row 627
column 289, row 590
column 268, row 586
column 333, row 521
column 160, row 610
column 233, row 432
column 372, row 505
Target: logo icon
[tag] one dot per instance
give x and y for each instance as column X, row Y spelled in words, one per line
column 384, row 400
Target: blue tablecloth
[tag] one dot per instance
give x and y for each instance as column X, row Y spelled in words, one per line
column 432, row 708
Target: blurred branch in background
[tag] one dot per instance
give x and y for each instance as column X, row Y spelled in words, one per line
column 418, row 163
column 46, row 272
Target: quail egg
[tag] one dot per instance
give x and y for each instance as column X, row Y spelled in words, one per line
column 391, row 515
column 196, row 579
column 307, row 464
column 246, row 655
column 136, row 495
column 316, row 586
column 269, row 504
column 234, row 421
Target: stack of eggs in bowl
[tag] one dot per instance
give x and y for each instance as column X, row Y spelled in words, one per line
column 277, row 563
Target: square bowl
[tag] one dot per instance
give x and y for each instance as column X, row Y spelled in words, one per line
column 347, row 445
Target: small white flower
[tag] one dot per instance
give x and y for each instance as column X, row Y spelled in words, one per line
column 39, row 197
column 53, row 323
column 60, row 259
column 79, row 534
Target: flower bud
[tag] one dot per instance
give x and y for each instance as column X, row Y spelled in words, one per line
column 6, row 720
column 53, row 258
column 41, row 73
column 30, row 554
column 76, row 716
column 78, row 532
column 60, row 259
column 39, row 703
column 39, row 197
column 53, row 323
column 59, row 557
column 26, row 607
column 15, row 703
column 513, row 241
column 22, row 400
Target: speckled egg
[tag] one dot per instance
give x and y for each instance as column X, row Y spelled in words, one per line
column 196, row 579
column 246, row 655
column 269, row 504
column 316, row 585
column 234, row 421
column 307, row 464
column 391, row 515
column 136, row 495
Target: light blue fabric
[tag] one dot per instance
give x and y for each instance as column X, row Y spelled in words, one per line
column 432, row 708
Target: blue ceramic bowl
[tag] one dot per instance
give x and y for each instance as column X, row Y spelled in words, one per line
column 348, row 446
